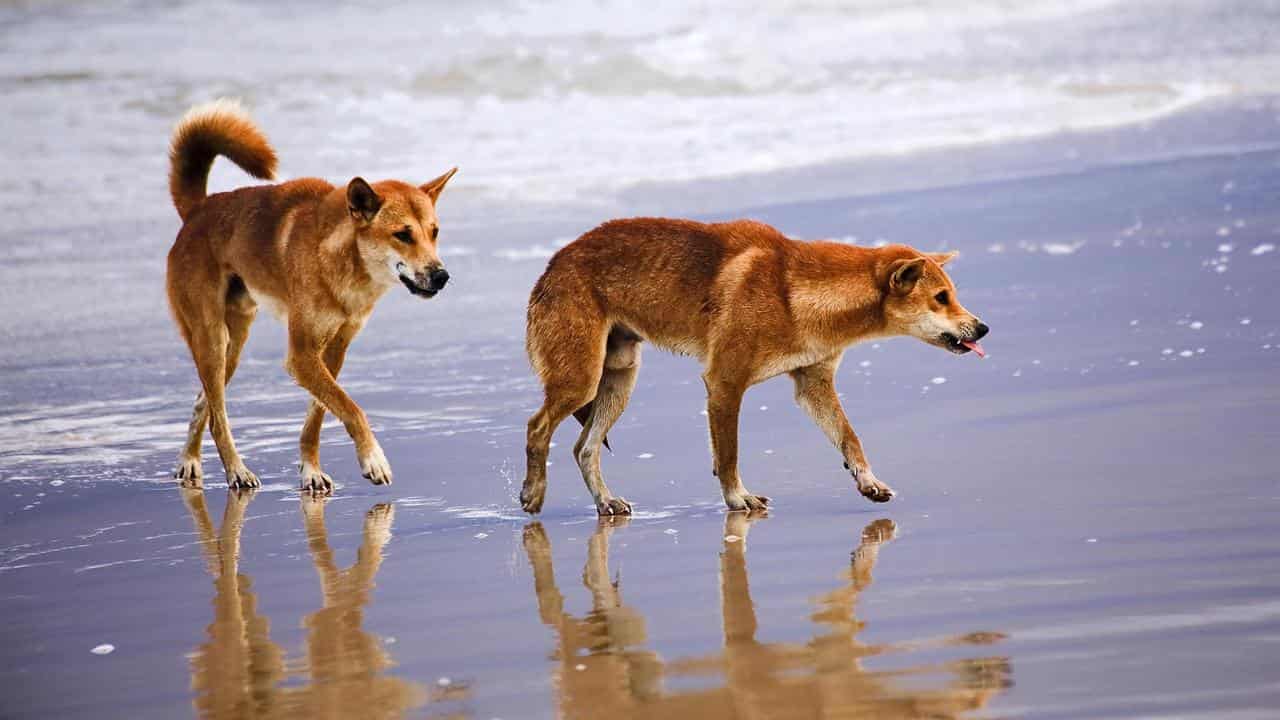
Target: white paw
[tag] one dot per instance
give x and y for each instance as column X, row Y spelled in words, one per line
column 314, row 481
column 375, row 468
column 189, row 472
column 870, row 487
column 238, row 476
column 743, row 500
column 613, row 506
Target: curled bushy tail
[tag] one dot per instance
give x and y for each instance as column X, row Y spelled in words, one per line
column 218, row 128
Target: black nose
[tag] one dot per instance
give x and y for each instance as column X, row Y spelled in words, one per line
column 980, row 331
column 438, row 278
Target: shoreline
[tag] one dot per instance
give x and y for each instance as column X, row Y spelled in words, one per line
column 1217, row 127
column 30, row 265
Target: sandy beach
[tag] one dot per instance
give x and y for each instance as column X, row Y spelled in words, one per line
column 1085, row 525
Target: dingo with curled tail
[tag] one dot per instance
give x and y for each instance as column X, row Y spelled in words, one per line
column 746, row 301
column 318, row 256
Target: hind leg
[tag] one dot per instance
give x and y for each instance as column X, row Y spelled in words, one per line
column 189, row 472
column 561, row 400
column 570, row 378
column 239, row 316
column 212, row 370
column 622, row 364
column 204, row 323
column 567, row 336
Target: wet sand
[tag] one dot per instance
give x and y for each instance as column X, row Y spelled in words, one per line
column 1085, row 524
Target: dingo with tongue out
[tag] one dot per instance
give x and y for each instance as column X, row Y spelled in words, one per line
column 921, row 302
column 745, row 300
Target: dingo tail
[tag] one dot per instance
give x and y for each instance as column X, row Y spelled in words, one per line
column 218, row 128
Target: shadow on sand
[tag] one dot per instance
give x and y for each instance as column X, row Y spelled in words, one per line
column 240, row 673
column 604, row 672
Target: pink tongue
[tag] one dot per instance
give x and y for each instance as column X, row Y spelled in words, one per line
column 974, row 346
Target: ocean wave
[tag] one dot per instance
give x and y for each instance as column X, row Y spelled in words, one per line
column 523, row 75
column 582, row 101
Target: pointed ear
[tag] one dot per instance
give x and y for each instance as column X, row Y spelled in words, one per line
column 942, row 258
column 903, row 274
column 362, row 201
column 435, row 187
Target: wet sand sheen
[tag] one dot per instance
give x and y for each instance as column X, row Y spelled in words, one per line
column 601, row 665
column 606, row 672
column 240, row 672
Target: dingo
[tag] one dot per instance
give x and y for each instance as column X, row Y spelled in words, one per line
column 318, row 256
column 746, row 301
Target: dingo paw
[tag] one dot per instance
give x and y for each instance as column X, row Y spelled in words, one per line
column 746, row 501
column 531, row 497
column 314, row 481
column 239, row 477
column 375, row 468
column 613, row 506
column 189, row 473
column 870, row 487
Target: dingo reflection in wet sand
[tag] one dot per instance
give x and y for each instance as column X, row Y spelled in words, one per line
column 604, row 671
column 241, row 673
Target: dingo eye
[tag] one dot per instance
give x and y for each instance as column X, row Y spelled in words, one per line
column 435, row 232
column 943, row 298
column 405, row 236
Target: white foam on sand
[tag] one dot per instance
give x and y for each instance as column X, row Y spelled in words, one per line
column 1061, row 248
column 486, row 512
column 533, row 252
column 652, row 514
column 417, row 501
column 536, row 251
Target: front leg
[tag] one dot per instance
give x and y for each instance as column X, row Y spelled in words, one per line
column 308, row 368
column 315, row 480
column 816, row 393
column 724, row 400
